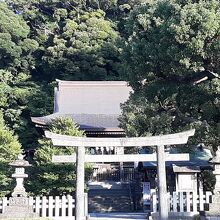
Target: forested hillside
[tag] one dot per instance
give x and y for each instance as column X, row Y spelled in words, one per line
column 44, row 40
column 169, row 52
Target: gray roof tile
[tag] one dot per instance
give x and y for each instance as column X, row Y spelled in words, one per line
column 85, row 121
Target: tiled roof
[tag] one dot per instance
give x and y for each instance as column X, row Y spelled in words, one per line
column 186, row 169
column 200, row 157
column 91, row 104
column 85, row 121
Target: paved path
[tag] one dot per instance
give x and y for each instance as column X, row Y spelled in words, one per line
column 118, row 216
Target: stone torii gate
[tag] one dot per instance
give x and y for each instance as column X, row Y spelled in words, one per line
column 81, row 158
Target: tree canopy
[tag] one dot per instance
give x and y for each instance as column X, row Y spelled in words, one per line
column 174, row 41
column 9, row 150
column 172, row 59
column 16, row 47
column 75, row 39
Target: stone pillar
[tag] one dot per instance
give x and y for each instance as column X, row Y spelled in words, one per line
column 162, row 185
column 118, row 151
column 216, row 163
column 80, row 160
column 19, row 175
column 214, row 207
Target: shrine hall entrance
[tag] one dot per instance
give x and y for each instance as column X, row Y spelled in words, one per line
column 115, row 188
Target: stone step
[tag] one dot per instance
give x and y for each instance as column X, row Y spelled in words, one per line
column 107, row 185
column 119, row 206
column 109, row 200
column 109, row 196
column 118, row 216
column 108, row 192
column 110, row 203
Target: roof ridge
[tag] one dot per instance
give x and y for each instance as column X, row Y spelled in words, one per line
column 98, row 83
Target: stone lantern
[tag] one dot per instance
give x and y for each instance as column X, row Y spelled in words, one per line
column 19, row 175
column 19, row 204
column 214, row 207
column 216, row 162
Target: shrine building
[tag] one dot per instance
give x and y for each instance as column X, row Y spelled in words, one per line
column 93, row 105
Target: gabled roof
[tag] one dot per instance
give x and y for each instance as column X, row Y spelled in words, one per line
column 94, row 105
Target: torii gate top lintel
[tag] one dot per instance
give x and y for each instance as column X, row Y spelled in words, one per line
column 168, row 139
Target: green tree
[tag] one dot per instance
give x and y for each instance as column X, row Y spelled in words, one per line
column 19, row 99
column 20, row 96
column 9, row 150
column 171, row 56
column 58, row 179
column 84, row 50
column 76, row 40
column 15, row 47
column 208, row 180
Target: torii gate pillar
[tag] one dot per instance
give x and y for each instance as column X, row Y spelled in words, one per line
column 162, row 184
column 80, row 182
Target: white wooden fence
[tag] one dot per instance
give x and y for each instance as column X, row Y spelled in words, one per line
column 184, row 201
column 57, row 206
column 64, row 206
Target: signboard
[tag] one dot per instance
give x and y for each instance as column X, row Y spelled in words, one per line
column 146, row 193
column 64, row 158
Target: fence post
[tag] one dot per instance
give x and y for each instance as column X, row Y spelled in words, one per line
column 188, row 201
column 70, row 205
column 201, row 200
column 154, row 202
column 57, row 206
column 208, row 194
column 50, row 206
column 44, row 206
column 181, row 202
column 4, row 203
column 174, row 202
column 37, row 205
column 194, row 202
column 86, row 204
column 63, row 206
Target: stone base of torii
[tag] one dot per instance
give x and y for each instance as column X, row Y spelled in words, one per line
column 159, row 141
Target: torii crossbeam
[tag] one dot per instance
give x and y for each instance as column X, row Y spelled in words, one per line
column 159, row 141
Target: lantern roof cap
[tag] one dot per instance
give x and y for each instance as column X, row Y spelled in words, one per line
column 20, row 162
column 216, row 158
